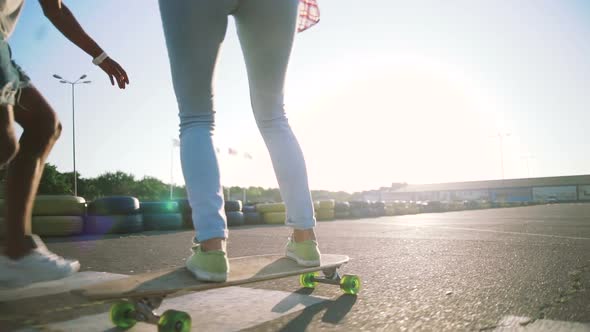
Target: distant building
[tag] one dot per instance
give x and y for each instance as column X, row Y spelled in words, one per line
column 548, row 189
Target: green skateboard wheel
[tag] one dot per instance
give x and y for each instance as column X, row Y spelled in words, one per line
column 120, row 314
column 350, row 284
column 174, row 321
column 306, row 280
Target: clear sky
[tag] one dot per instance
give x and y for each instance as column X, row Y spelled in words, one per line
column 378, row 92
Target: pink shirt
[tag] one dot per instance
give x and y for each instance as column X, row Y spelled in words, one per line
column 309, row 14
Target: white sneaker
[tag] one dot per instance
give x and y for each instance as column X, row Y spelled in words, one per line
column 40, row 265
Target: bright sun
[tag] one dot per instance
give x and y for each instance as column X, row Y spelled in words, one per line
column 400, row 119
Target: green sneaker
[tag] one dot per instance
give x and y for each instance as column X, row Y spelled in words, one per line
column 208, row 265
column 305, row 253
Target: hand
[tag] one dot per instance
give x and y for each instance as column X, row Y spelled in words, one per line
column 115, row 72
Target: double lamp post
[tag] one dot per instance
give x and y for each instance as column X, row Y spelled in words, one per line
column 73, row 84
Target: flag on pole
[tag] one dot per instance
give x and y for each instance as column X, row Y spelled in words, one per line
column 309, row 14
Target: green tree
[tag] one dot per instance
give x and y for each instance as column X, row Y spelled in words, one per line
column 151, row 189
column 87, row 188
column 117, row 183
column 55, row 183
column 148, row 188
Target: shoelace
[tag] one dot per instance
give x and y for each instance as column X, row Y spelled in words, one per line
column 48, row 256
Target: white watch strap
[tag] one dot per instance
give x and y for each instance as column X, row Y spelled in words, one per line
column 99, row 59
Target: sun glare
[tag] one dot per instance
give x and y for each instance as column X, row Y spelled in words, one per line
column 400, row 119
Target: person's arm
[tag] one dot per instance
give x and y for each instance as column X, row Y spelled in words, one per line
column 63, row 19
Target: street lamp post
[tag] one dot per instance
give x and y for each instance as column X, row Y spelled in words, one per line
column 78, row 81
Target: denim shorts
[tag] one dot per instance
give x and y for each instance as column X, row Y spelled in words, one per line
column 12, row 77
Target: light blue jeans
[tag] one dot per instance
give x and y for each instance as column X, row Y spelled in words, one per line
column 194, row 31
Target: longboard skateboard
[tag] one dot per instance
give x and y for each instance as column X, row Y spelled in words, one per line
column 139, row 295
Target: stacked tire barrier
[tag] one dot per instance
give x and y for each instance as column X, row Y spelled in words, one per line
column 58, row 215
column 325, row 210
column 272, row 213
column 390, row 209
column 342, row 210
column 378, row 209
column 251, row 215
column 360, row 209
column 55, row 215
column 62, row 215
column 163, row 215
column 412, row 209
column 187, row 213
column 114, row 214
column 234, row 214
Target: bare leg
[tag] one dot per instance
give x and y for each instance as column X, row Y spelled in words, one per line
column 214, row 244
column 300, row 235
column 8, row 142
column 41, row 131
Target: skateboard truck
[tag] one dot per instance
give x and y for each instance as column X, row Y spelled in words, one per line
column 144, row 310
column 350, row 284
column 125, row 314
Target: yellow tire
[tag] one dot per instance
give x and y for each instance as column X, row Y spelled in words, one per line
column 274, row 218
column 57, row 225
column 327, row 204
column 59, row 205
column 270, row 207
column 389, row 211
column 325, row 214
column 316, row 205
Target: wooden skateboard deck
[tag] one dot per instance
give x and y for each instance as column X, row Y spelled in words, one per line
column 242, row 270
column 145, row 292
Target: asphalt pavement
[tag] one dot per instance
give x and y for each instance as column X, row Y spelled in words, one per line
column 500, row 269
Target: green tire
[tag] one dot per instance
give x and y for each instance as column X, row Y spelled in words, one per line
column 57, row 226
column 329, row 204
column 120, row 314
column 174, row 321
column 350, row 284
column 59, row 205
column 325, row 214
column 270, row 207
column 160, row 207
column 275, row 218
column 306, row 280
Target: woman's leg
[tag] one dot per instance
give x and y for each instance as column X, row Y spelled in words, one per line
column 31, row 260
column 8, row 141
column 41, row 131
column 194, row 32
column 266, row 29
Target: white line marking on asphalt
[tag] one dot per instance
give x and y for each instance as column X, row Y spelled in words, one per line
column 485, row 230
column 516, row 323
column 223, row 309
column 504, row 232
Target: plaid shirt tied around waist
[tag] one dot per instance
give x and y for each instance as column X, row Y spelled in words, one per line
column 309, row 14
